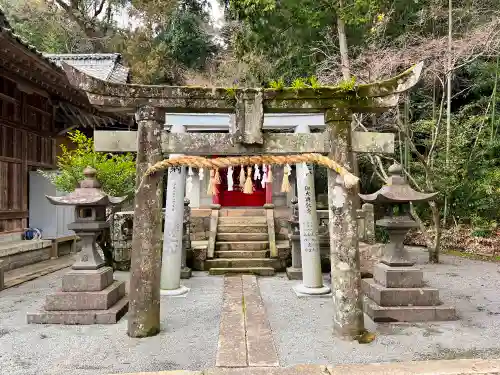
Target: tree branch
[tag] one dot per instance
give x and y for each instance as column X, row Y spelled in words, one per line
column 99, row 9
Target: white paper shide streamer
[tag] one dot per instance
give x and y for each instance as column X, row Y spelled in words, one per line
column 200, row 173
column 230, row 182
column 256, row 173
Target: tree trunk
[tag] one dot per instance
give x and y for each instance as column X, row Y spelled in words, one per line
column 448, row 100
column 344, row 56
column 436, row 220
column 90, row 29
column 144, row 309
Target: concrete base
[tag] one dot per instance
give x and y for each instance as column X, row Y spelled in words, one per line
column 408, row 314
column 294, row 273
column 185, row 273
column 83, row 317
column 181, row 291
column 398, row 294
column 398, row 277
column 87, row 297
column 303, row 291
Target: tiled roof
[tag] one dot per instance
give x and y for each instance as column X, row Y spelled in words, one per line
column 6, row 28
column 105, row 66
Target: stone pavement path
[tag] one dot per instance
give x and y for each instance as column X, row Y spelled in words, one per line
column 245, row 337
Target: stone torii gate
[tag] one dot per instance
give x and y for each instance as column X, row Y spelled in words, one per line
column 150, row 103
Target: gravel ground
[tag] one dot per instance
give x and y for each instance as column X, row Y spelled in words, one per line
column 188, row 340
column 302, row 328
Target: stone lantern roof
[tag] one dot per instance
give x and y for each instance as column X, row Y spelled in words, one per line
column 89, row 193
column 396, row 190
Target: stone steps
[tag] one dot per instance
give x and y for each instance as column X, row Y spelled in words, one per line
column 236, row 237
column 239, row 262
column 242, row 228
column 242, row 220
column 260, row 271
column 242, row 254
column 242, row 245
column 238, row 212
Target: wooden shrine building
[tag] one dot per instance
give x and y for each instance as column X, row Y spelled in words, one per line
column 37, row 103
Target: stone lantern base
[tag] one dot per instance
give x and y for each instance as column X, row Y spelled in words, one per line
column 86, row 297
column 398, row 294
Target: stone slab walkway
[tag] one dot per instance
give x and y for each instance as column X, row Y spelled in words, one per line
column 450, row 367
column 245, row 337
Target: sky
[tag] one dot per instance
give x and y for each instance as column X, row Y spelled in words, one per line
column 216, row 11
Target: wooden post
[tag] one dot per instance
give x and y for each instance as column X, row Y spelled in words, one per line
column 348, row 320
column 144, row 308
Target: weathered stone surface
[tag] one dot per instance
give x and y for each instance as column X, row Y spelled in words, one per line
column 214, row 223
column 242, row 220
column 448, row 367
column 231, row 349
column 260, row 344
column 22, row 253
column 186, row 273
column 261, row 271
column 348, row 318
column 242, row 254
column 440, row 367
column 87, row 280
column 87, row 317
column 294, row 273
column 144, row 316
column 112, row 95
column 295, row 370
column 271, row 231
column 242, row 245
column 238, row 237
column 408, row 314
column 79, row 301
column 400, row 296
column 369, row 256
column 242, row 263
column 220, row 144
column 238, row 228
column 398, row 277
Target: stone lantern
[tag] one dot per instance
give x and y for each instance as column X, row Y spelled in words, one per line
column 89, row 294
column 397, row 292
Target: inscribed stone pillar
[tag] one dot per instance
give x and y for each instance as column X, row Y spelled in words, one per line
column 344, row 251
column 312, row 278
column 144, row 307
column 171, row 261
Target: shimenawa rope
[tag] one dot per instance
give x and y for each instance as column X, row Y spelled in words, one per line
column 214, row 165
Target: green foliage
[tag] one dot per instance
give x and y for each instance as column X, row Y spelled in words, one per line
column 347, row 85
column 116, row 173
column 277, row 85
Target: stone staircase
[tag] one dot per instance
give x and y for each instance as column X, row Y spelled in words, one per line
column 242, row 244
